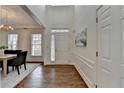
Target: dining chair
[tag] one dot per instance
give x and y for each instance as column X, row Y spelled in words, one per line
column 20, row 59
column 11, row 60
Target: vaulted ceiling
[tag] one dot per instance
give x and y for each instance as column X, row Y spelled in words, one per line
column 17, row 17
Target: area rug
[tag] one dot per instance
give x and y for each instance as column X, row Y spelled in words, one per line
column 13, row 78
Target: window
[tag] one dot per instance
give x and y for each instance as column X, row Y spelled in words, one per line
column 36, row 45
column 60, row 30
column 52, row 48
column 12, row 41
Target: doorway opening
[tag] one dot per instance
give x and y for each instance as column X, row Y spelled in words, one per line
column 59, row 46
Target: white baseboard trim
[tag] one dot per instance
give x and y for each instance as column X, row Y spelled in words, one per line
column 84, row 77
column 56, row 64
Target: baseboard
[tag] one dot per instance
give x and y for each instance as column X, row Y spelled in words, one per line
column 58, row 65
column 83, row 76
column 35, row 62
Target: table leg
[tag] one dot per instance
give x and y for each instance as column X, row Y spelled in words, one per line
column 5, row 68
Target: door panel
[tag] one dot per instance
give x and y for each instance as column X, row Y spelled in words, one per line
column 109, row 54
column 106, row 76
column 61, row 51
column 122, row 52
column 104, row 32
column 105, row 42
column 122, row 28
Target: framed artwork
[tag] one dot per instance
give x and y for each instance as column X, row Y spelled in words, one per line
column 81, row 38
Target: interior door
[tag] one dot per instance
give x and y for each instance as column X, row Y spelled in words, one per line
column 121, row 23
column 61, row 48
column 108, row 46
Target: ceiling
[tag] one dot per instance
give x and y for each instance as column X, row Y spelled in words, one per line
column 17, row 17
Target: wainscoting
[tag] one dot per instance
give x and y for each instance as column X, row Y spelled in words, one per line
column 86, row 68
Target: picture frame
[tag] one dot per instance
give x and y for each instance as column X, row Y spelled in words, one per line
column 81, row 38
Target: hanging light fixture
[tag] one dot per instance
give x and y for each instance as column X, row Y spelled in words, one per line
column 6, row 26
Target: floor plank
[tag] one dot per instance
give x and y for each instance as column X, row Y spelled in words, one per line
column 58, row 76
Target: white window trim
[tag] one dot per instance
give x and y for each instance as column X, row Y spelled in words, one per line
column 32, row 45
column 15, row 44
column 59, row 30
column 52, row 48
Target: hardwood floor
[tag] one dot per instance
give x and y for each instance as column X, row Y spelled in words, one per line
column 58, row 76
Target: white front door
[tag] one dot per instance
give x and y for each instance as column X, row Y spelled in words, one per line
column 61, row 48
column 108, row 47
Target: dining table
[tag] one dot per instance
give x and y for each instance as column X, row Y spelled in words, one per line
column 4, row 58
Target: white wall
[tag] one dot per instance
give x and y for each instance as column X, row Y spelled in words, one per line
column 39, row 12
column 85, row 57
column 56, row 17
column 59, row 16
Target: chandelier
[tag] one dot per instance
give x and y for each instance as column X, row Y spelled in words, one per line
column 6, row 26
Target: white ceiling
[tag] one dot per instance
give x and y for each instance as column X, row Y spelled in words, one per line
column 17, row 17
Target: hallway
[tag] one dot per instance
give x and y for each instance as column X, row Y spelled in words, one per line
column 89, row 37
column 59, row 76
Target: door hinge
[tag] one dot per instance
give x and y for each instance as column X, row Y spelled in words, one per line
column 96, row 19
column 97, row 54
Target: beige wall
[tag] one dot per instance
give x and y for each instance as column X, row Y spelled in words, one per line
column 3, row 38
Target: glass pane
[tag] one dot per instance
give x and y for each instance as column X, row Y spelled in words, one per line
column 12, row 41
column 36, row 44
column 52, row 48
column 14, row 47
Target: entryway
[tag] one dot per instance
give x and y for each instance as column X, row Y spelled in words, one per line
column 59, row 46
